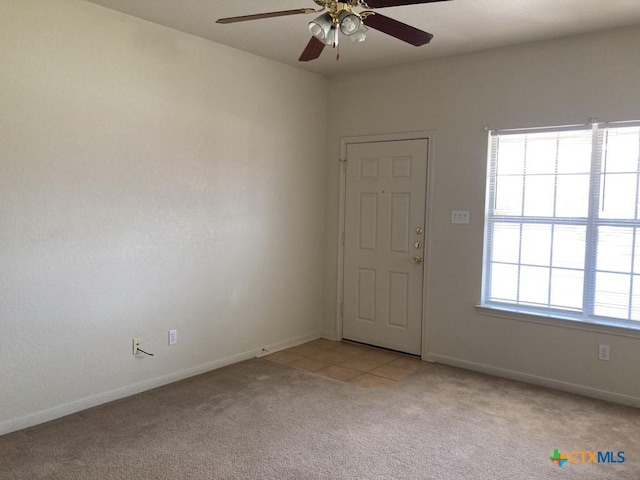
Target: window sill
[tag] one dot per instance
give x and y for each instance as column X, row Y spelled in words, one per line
column 560, row 322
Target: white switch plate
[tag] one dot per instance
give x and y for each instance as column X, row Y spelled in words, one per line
column 460, row 216
column 173, row 337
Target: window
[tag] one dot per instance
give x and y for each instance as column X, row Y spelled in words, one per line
column 563, row 223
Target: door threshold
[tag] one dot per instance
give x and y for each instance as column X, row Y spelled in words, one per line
column 382, row 349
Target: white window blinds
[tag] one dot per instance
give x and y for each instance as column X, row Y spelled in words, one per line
column 562, row 222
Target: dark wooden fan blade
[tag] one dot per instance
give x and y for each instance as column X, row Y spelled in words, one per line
column 259, row 16
column 312, row 51
column 398, row 3
column 397, row 29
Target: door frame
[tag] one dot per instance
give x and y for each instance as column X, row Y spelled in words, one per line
column 428, row 135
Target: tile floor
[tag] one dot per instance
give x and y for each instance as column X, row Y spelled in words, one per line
column 352, row 363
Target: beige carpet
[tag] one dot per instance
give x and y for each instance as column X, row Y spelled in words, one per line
column 263, row 420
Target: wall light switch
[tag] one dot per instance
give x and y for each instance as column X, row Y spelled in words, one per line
column 173, row 337
column 460, row 217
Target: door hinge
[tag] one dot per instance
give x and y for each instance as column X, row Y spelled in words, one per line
column 342, row 309
column 343, row 162
column 343, row 236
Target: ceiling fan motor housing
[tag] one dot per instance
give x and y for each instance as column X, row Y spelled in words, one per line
column 335, row 7
column 329, row 3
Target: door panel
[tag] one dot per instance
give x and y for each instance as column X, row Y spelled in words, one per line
column 384, row 207
column 366, row 295
column 368, row 225
column 400, row 217
column 398, row 299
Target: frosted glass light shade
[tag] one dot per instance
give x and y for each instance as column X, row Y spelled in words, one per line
column 321, row 28
column 349, row 22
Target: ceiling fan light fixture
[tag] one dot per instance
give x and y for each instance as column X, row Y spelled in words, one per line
column 341, row 18
column 350, row 22
column 360, row 36
column 321, row 28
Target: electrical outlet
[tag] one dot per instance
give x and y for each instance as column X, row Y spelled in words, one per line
column 603, row 352
column 136, row 345
column 173, row 337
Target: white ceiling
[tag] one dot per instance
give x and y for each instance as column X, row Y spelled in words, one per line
column 459, row 26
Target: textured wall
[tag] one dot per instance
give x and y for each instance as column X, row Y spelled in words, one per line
column 550, row 83
column 148, row 180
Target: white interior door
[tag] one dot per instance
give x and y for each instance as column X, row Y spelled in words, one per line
column 384, row 243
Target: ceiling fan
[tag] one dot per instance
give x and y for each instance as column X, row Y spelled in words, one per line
column 342, row 17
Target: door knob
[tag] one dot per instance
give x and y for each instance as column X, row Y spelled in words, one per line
column 418, row 245
column 417, row 260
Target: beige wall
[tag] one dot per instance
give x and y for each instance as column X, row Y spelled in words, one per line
column 149, row 180
column 552, row 83
column 152, row 180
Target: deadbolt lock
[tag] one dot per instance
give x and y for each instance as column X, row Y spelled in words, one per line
column 417, row 245
column 419, row 230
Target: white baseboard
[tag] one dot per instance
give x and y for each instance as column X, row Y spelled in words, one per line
column 330, row 336
column 276, row 347
column 54, row 413
column 537, row 380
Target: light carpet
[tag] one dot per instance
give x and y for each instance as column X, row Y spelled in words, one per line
column 261, row 420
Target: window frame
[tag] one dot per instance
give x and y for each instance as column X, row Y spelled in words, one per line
column 591, row 223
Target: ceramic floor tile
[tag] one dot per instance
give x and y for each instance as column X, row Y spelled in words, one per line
column 352, row 350
column 283, row 357
column 330, row 356
column 338, row 373
column 349, row 362
column 409, row 363
column 371, row 381
column 309, row 364
column 305, row 350
column 389, row 371
column 322, row 343
column 362, row 364
column 383, row 357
